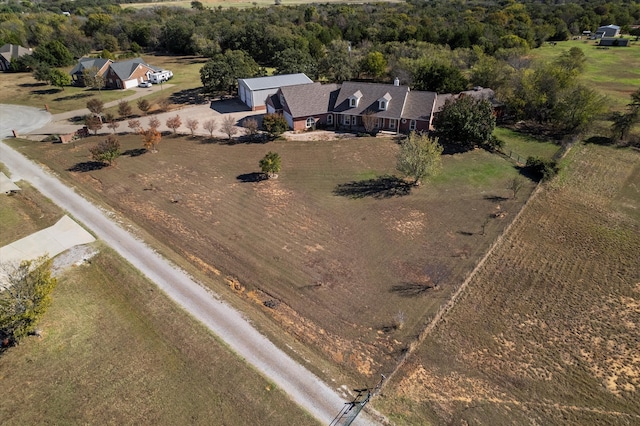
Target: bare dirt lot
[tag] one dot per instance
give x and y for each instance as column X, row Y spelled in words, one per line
column 547, row 331
column 338, row 252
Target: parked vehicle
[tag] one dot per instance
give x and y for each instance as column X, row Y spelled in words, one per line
column 159, row 77
column 145, row 84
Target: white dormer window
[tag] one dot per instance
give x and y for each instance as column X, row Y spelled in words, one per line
column 383, row 102
column 355, row 99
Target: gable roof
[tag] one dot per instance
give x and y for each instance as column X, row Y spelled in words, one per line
column 610, row 41
column 419, row 105
column 309, row 99
column 275, row 81
column 13, row 51
column 86, row 63
column 610, row 26
column 371, row 92
column 124, row 69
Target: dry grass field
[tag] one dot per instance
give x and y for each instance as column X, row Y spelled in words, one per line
column 336, row 251
column 547, row 331
column 115, row 350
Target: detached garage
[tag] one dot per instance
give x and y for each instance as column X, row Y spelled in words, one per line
column 254, row 92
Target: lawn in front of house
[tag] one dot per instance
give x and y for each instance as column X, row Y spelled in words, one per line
column 338, row 251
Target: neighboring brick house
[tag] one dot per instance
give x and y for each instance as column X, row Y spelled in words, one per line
column 129, row 73
column 99, row 64
column 9, row 52
column 117, row 75
column 391, row 107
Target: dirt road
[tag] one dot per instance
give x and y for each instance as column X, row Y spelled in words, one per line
column 302, row 386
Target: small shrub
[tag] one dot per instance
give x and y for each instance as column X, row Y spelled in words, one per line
column 541, row 169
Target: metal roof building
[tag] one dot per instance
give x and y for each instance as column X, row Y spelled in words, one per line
column 254, row 92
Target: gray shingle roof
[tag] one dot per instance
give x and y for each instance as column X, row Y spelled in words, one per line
column 86, row 63
column 276, row 81
column 309, row 99
column 124, row 69
column 13, row 51
column 419, row 105
column 441, row 99
column 371, row 92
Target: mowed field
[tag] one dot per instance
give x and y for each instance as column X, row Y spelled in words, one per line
column 115, row 350
column 336, row 251
column 547, row 331
column 614, row 72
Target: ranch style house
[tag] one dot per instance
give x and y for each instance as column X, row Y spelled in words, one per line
column 351, row 105
column 118, row 75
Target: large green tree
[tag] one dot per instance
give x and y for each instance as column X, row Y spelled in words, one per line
column 373, row 64
column 440, row 78
column 59, row 78
column 25, row 295
column 577, row 109
column 420, row 157
column 54, row 53
column 292, row 61
column 222, row 71
column 465, row 122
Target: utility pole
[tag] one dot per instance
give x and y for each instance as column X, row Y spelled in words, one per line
column 350, row 411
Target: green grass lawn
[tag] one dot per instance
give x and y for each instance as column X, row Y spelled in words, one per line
column 521, row 145
column 614, row 72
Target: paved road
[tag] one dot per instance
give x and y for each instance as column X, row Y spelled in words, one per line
column 301, row 385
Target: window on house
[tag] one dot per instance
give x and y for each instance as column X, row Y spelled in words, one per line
column 353, row 102
column 383, row 105
column 392, row 123
column 347, row 120
column 412, row 125
column 330, row 119
column 310, row 122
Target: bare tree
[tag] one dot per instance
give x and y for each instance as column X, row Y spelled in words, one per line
column 93, row 123
column 143, row 105
column 250, row 127
column 210, row 125
column 229, row 126
column 192, row 125
column 134, row 125
column 124, row 109
column 95, row 105
column 113, row 125
column 174, row 123
column 515, row 185
column 369, row 121
column 154, row 123
column 164, row 104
